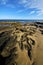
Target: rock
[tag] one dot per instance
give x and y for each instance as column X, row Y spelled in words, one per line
column 18, row 46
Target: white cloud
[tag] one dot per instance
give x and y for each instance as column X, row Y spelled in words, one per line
column 38, row 4
column 25, row 3
column 3, row 2
column 6, row 3
column 32, row 12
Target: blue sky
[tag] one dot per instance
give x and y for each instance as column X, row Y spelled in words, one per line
column 21, row 9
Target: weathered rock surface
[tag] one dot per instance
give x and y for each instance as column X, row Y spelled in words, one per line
column 21, row 45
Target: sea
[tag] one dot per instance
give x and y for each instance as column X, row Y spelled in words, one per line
column 19, row 20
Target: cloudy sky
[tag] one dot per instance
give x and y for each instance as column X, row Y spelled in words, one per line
column 21, row 9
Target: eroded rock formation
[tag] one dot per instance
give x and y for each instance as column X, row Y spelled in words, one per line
column 19, row 46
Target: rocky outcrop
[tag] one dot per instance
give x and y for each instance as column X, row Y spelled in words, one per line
column 18, row 46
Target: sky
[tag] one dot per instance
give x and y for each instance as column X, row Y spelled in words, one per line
column 21, row 9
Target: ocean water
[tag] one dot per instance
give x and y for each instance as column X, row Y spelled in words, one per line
column 19, row 20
